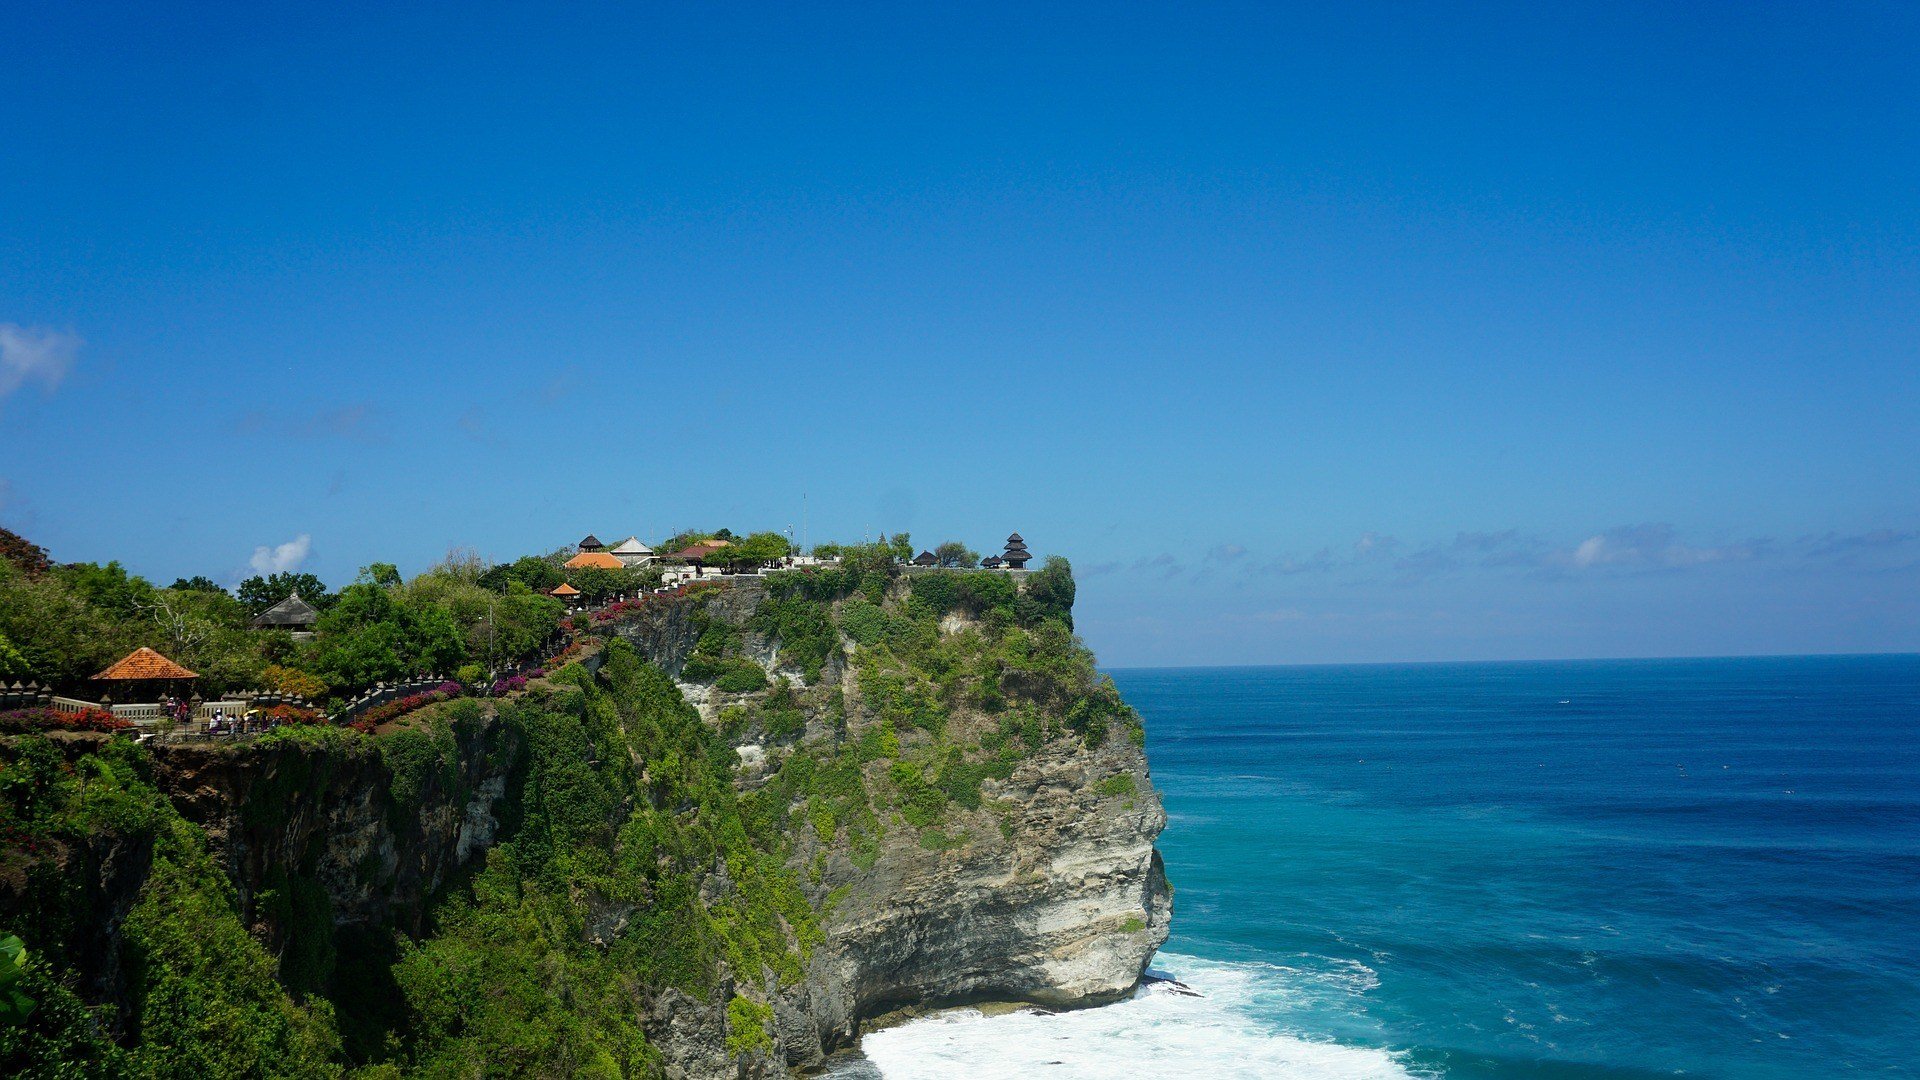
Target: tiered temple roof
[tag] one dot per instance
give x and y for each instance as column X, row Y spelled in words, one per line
column 1016, row 554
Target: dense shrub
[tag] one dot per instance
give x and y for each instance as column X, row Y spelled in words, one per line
column 20, row 721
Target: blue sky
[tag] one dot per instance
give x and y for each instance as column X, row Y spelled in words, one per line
column 1323, row 333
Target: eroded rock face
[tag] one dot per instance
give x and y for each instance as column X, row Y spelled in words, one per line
column 1058, row 898
column 328, row 814
column 1050, row 891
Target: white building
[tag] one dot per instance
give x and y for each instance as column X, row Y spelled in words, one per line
column 631, row 552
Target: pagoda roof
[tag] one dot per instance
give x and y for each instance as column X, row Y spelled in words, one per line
column 563, row 589
column 144, row 663
column 594, row 560
column 1016, row 538
column 631, row 546
column 590, row 543
column 925, row 558
column 293, row 611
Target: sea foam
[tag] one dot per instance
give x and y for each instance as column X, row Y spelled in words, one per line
column 1215, row 1030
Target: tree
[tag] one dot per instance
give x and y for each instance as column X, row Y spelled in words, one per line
column 1049, row 594
column 30, row 558
column 109, row 589
column 12, row 664
column 62, row 637
column 761, row 547
column 537, row 572
column 197, row 583
column 384, row 574
column 955, row 553
column 260, row 593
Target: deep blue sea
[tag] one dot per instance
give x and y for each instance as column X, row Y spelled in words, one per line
column 1581, row 870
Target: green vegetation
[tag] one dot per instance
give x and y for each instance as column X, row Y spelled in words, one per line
column 62, row 623
column 629, row 858
column 203, row 995
column 510, row 983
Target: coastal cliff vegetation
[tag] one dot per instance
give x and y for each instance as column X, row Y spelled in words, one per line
column 708, row 843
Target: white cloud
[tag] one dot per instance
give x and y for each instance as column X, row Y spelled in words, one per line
column 1656, row 546
column 1591, row 550
column 36, row 354
column 281, row 557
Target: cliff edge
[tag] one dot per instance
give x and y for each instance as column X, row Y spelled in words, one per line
column 744, row 823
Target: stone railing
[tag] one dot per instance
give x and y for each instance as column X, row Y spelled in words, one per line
column 28, row 696
column 381, row 693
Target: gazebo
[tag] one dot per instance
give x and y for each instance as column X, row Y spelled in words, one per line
column 592, row 543
column 293, row 613
column 926, row 558
column 565, row 593
column 1016, row 555
column 142, row 674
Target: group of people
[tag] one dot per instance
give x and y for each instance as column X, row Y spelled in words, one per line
column 180, row 711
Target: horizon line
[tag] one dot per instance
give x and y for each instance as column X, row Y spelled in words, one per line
column 1539, row 660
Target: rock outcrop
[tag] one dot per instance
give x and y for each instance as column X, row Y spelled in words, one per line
column 1035, row 880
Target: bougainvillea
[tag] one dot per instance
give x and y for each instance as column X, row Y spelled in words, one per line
column 512, row 684
column 292, row 714
column 398, row 707
column 26, row 720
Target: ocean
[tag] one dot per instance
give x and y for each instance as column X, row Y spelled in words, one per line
column 1579, row 870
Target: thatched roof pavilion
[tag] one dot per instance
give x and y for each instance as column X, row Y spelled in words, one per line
column 293, row 613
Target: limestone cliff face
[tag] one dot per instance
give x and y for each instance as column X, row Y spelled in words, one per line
column 1042, row 885
column 329, row 813
column 1051, row 892
column 1056, row 896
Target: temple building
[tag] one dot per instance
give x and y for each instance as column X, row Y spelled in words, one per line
column 293, row 613
column 1016, row 555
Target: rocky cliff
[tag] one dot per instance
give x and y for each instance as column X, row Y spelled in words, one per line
column 853, row 796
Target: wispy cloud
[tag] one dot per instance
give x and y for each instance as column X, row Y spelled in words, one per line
column 35, row 354
column 1621, row 551
column 278, row 558
column 1227, row 553
column 1655, row 546
column 357, row 420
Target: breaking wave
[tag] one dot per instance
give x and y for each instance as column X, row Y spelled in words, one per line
column 1209, row 1024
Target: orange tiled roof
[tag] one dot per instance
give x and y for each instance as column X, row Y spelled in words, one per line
column 563, row 589
column 597, row 560
column 144, row 663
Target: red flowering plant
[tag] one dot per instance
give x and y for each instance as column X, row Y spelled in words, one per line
column 398, row 707
column 19, row 721
column 292, row 714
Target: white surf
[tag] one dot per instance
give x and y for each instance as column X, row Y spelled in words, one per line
column 1214, row 1031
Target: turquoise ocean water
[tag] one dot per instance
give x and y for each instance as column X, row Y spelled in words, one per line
column 1585, row 870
